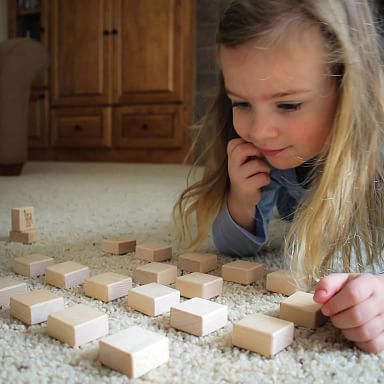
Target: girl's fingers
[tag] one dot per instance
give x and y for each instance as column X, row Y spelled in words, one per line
column 329, row 285
column 369, row 331
column 239, row 151
column 375, row 345
column 358, row 315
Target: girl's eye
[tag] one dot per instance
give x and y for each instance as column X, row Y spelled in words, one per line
column 290, row 107
column 240, row 104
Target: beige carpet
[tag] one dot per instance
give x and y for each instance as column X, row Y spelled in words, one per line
column 76, row 205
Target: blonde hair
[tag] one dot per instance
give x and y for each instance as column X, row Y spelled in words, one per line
column 341, row 219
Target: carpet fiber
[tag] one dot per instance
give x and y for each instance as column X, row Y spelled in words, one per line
column 76, row 205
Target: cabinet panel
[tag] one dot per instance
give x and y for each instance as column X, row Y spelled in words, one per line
column 80, row 52
column 148, row 49
column 147, row 127
column 85, row 127
column 38, row 135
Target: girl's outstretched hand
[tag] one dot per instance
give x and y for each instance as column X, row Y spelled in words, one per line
column 355, row 305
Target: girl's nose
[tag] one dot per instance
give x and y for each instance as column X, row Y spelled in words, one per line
column 262, row 128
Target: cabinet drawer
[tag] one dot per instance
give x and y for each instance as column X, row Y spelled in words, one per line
column 147, row 127
column 81, row 127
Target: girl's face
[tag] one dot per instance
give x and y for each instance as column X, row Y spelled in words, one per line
column 283, row 98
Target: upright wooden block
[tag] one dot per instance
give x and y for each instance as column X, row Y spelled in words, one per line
column 302, row 310
column 283, row 281
column 66, row 275
column 198, row 284
column 154, row 252
column 153, row 299
column 199, row 316
column 134, row 351
column 243, row 272
column 118, row 245
column 35, row 307
column 198, row 262
column 155, row 273
column 25, row 237
column 262, row 334
column 107, row 286
column 77, row 325
column 8, row 288
column 23, row 219
column 31, row 265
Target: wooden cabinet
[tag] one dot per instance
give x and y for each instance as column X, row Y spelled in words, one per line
column 121, row 80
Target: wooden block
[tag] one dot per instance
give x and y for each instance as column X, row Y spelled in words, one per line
column 77, row 325
column 25, row 237
column 154, row 252
column 153, row 299
column 107, row 286
column 134, row 351
column 31, row 265
column 198, row 262
column 118, row 245
column 35, row 307
column 283, row 281
column 198, row 284
column 23, row 219
column 302, row 310
column 199, row 316
column 155, row 273
column 243, row 272
column 8, row 288
column 66, row 275
column 262, row 334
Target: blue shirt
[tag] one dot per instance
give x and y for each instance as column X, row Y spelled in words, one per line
column 231, row 239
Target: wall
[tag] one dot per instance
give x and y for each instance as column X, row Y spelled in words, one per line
column 3, row 20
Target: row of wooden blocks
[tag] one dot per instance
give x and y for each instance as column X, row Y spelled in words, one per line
column 69, row 274
column 23, row 228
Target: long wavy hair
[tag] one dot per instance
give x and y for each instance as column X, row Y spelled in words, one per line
column 340, row 221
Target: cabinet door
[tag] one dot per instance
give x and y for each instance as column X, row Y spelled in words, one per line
column 148, row 50
column 38, row 120
column 80, row 52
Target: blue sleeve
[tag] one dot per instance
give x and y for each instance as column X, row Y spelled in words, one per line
column 231, row 239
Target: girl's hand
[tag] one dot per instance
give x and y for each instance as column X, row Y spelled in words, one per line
column 248, row 172
column 355, row 304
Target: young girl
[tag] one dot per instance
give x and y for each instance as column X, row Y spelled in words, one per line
column 298, row 122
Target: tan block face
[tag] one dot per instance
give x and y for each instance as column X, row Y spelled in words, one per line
column 283, row 282
column 8, row 288
column 156, row 273
column 25, row 237
column 66, row 275
column 77, row 325
column 243, row 272
column 23, row 219
column 107, row 286
column 302, row 310
column 153, row 299
column 198, row 262
column 134, row 351
column 262, row 334
column 198, row 316
column 154, row 252
column 118, row 245
column 35, row 307
column 198, row 284
column 31, row 265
